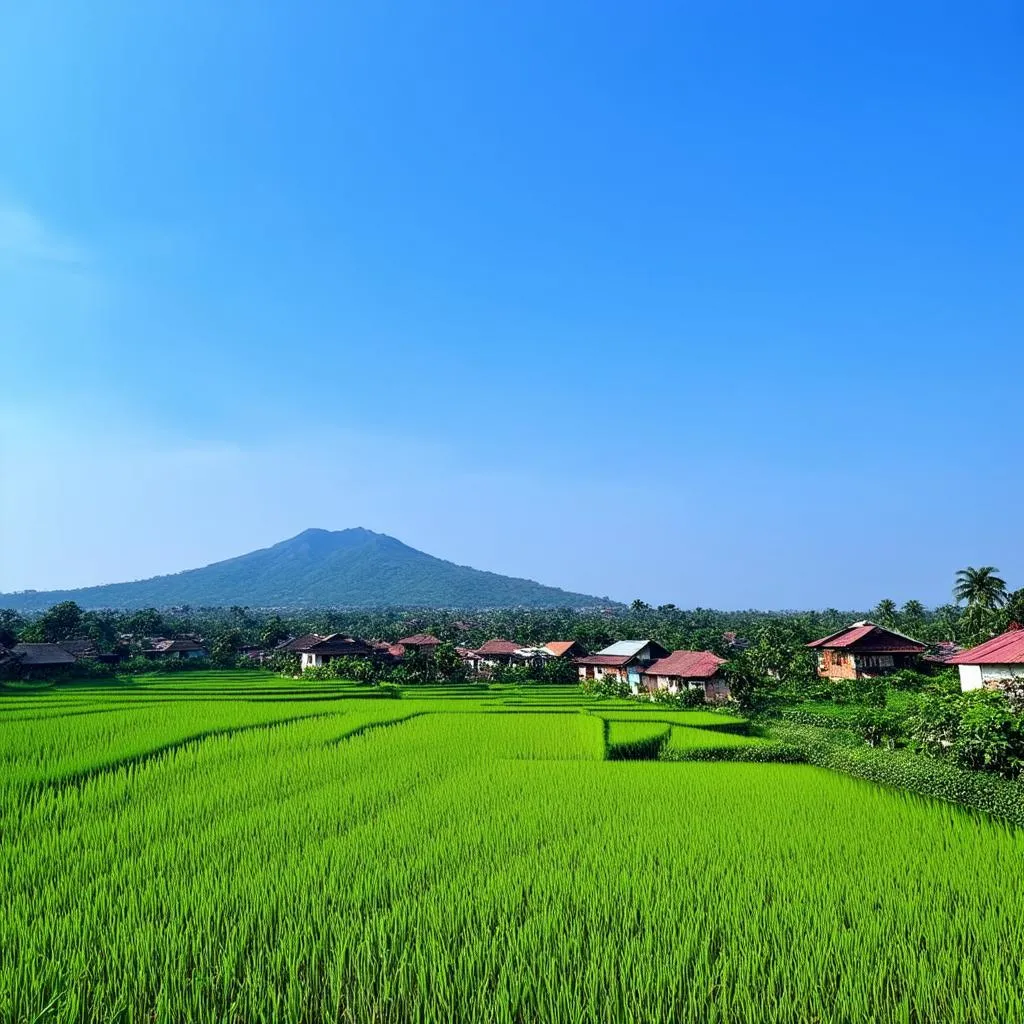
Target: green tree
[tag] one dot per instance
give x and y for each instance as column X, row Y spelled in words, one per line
column 980, row 586
column 273, row 632
column 61, row 622
column 225, row 647
column 885, row 613
column 912, row 614
column 146, row 622
column 448, row 665
column 101, row 629
column 1014, row 609
column 11, row 625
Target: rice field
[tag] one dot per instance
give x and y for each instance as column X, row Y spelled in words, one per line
column 223, row 849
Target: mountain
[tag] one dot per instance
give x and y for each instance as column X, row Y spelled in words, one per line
column 320, row 568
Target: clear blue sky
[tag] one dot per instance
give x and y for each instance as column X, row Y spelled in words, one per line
column 717, row 303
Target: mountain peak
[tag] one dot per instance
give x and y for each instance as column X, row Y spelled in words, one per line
column 352, row 568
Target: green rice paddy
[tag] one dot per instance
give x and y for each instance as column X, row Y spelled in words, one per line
column 237, row 847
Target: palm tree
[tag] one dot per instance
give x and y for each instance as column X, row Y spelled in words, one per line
column 980, row 587
column 885, row 612
column 913, row 611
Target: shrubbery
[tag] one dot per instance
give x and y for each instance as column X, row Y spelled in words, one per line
column 606, row 686
column 787, row 753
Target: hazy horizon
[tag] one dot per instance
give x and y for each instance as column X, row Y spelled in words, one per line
column 709, row 304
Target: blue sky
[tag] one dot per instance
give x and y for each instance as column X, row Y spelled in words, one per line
column 712, row 303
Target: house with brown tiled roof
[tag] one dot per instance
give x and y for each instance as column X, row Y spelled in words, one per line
column 688, row 670
column 420, row 643
column 865, row 650
column 497, row 652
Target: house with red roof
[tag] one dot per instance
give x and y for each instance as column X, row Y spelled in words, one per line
column 993, row 663
column 565, row 649
column 688, row 670
column 865, row 650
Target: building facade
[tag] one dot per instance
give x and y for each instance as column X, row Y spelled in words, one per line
column 993, row 664
column 865, row 650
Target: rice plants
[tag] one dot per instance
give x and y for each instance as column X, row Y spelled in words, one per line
column 472, row 864
column 635, row 741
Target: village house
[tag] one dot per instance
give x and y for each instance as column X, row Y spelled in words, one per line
column 470, row 659
column 865, row 650
column 567, row 649
column 992, row 664
column 39, row 659
column 688, row 670
column 625, row 660
column 497, row 652
column 80, row 649
column 315, row 650
column 161, row 649
column 419, row 643
column 384, row 650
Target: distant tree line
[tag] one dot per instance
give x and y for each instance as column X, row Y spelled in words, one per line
column 759, row 644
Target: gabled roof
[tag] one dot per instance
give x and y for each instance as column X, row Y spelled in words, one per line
column 42, row 654
column 870, row 637
column 498, row 646
column 420, row 640
column 79, row 648
column 625, row 648
column 1005, row 649
column 560, row 647
column 335, row 644
column 299, row 643
column 686, row 664
column 611, row 660
column 631, row 648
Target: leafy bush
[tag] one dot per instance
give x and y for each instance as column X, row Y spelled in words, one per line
column 877, row 726
column 908, row 679
column 786, row 753
column 389, row 690
column 684, row 699
column 606, row 686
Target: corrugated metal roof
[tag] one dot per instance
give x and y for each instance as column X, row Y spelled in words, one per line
column 686, row 665
column 625, row 648
column 1005, row 649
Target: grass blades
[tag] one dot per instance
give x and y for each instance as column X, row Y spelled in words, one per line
column 469, row 860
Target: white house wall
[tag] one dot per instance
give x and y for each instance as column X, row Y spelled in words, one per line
column 975, row 677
